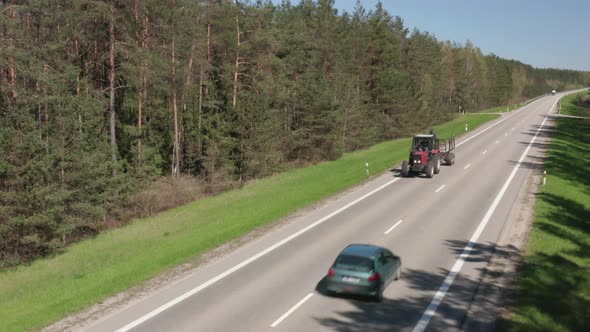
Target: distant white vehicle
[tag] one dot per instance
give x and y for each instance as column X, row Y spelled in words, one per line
column 553, row 92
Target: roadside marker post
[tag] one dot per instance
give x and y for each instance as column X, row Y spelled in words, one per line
column 544, row 177
column 465, row 127
column 367, row 168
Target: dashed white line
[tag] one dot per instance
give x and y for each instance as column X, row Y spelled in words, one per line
column 441, row 188
column 495, row 124
column 286, row 314
column 466, row 167
column 484, row 152
column 442, row 291
column 392, row 227
column 497, row 141
column 235, row 268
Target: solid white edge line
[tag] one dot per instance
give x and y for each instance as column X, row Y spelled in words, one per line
column 441, row 188
column 286, row 314
column 440, row 294
column 215, row 279
column 393, row 227
column 466, row 167
column 278, row 244
column 495, row 124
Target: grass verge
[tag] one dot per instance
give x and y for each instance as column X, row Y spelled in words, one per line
column 49, row 289
column 502, row 109
column 553, row 288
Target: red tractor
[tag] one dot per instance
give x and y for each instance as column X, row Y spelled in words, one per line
column 426, row 155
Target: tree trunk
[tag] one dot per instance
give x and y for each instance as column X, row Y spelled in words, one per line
column 77, row 49
column 13, row 77
column 112, row 88
column 199, row 140
column 237, row 64
column 208, row 54
column 235, row 95
column 176, row 148
column 142, row 85
column 189, row 74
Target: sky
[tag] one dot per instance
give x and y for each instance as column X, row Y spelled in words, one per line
column 541, row 33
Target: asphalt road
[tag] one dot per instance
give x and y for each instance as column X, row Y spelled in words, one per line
column 271, row 283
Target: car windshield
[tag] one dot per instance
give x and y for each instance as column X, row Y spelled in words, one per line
column 354, row 263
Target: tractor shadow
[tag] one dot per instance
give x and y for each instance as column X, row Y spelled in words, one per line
column 397, row 173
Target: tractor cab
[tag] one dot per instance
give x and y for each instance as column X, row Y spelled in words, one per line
column 424, row 143
column 426, row 155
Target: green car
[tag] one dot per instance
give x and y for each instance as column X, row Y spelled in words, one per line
column 363, row 269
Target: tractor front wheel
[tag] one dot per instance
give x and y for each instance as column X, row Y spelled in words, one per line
column 405, row 168
column 429, row 169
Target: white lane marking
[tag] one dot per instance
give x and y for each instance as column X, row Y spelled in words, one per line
column 484, row 152
column 505, row 134
column 211, row 281
column 440, row 294
column 497, row 141
column 215, row 279
column 466, row 167
column 278, row 321
column 394, row 226
column 497, row 123
column 441, row 188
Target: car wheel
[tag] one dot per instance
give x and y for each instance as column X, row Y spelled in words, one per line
column 379, row 296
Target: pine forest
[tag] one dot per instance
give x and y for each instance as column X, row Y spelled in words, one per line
column 115, row 109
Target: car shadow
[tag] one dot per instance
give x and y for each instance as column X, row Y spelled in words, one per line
column 321, row 289
column 403, row 312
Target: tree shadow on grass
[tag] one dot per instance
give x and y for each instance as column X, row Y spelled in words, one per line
column 567, row 153
column 554, row 285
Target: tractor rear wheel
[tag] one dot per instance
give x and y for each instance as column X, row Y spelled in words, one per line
column 405, row 168
column 436, row 160
column 450, row 158
column 429, row 170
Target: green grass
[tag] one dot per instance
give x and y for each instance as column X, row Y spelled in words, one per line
column 501, row 109
column 553, row 290
column 49, row 289
column 570, row 108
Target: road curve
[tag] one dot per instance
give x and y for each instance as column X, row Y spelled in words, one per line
column 270, row 283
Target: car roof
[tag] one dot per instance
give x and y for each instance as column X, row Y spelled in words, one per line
column 365, row 250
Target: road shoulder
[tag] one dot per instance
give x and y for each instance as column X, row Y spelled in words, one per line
column 496, row 288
